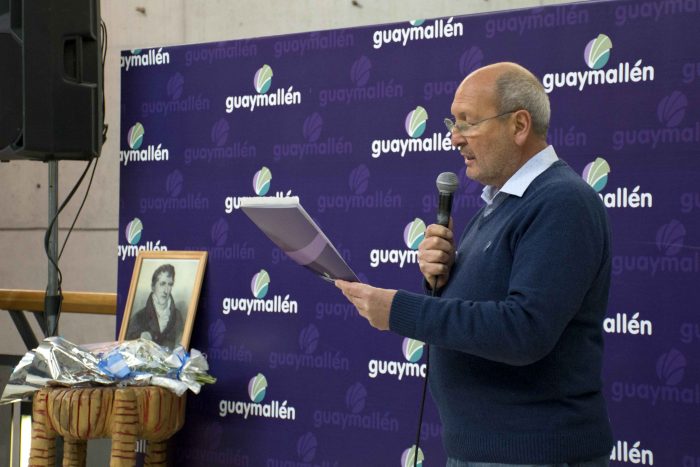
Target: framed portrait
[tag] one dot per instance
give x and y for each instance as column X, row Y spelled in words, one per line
column 163, row 297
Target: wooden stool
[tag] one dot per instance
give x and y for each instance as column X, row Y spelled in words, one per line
column 123, row 414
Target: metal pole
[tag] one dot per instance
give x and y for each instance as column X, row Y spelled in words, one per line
column 23, row 327
column 52, row 302
column 16, row 435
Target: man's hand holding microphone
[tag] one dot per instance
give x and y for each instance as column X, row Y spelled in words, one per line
column 436, row 255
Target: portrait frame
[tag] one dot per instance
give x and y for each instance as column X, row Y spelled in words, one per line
column 185, row 287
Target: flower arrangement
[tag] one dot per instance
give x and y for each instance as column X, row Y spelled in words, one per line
column 139, row 362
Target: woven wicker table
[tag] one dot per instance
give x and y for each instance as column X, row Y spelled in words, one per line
column 123, row 414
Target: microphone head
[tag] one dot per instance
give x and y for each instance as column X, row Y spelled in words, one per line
column 447, row 182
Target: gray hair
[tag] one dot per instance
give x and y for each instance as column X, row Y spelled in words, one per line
column 519, row 89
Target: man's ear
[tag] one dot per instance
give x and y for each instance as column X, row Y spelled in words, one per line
column 522, row 126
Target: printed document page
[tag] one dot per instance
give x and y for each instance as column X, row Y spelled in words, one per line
column 288, row 225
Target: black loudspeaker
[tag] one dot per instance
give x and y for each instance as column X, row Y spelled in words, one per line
column 51, row 83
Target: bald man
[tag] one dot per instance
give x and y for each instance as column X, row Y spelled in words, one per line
column 516, row 321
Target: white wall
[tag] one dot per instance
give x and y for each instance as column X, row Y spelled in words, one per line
column 89, row 262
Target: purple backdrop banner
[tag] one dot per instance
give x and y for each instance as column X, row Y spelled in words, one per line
column 351, row 122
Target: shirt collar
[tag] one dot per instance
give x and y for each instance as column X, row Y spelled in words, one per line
column 163, row 314
column 523, row 177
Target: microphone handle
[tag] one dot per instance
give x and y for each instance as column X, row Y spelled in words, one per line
column 444, row 208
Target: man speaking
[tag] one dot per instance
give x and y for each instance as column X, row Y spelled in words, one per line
column 516, row 323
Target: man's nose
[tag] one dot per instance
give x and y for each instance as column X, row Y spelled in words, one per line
column 457, row 139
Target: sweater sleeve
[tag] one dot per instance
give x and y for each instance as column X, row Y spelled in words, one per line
column 558, row 251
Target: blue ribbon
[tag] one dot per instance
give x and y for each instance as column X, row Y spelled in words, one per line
column 183, row 356
column 114, row 366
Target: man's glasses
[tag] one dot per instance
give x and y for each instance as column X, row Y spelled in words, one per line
column 465, row 128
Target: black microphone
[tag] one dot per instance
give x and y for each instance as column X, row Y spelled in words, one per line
column 447, row 184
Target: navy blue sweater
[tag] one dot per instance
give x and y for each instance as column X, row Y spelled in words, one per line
column 516, row 333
